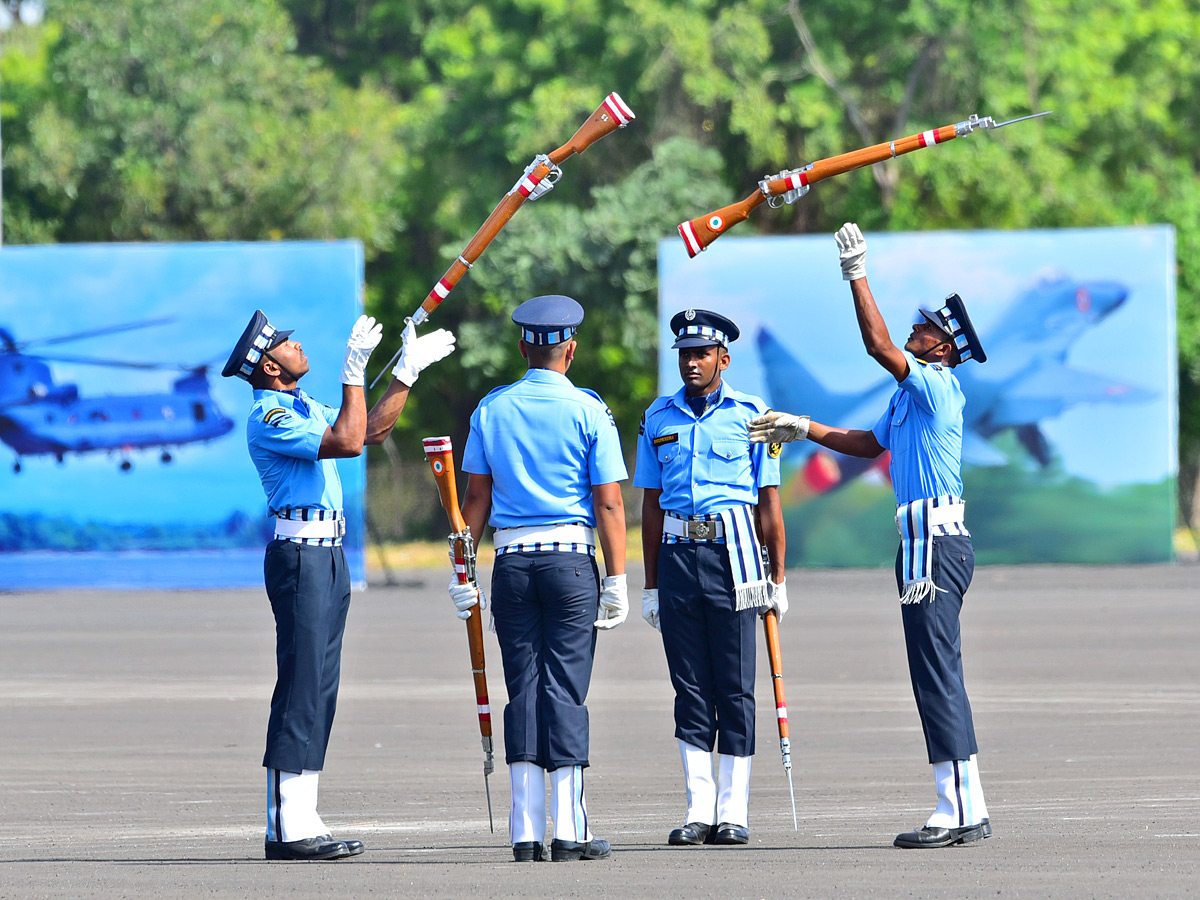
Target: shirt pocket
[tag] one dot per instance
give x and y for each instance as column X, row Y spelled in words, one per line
column 668, row 452
column 729, row 462
column 899, row 415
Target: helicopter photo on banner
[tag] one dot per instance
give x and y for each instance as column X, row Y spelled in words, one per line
column 123, row 458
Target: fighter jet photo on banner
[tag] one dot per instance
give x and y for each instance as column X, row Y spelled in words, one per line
column 1069, row 432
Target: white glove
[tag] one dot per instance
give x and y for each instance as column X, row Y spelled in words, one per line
column 465, row 596
column 778, row 428
column 852, row 248
column 364, row 337
column 614, row 602
column 420, row 352
column 778, row 595
column 650, row 607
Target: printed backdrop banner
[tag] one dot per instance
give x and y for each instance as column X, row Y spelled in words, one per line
column 127, row 462
column 1069, row 434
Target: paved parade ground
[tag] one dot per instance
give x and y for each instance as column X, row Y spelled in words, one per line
column 132, row 726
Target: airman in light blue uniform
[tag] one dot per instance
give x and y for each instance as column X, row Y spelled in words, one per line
column 294, row 441
column 706, row 489
column 922, row 427
column 545, row 468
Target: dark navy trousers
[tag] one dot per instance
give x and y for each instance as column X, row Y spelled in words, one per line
column 710, row 647
column 934, row 642
column 545, row 604
column 309, row 589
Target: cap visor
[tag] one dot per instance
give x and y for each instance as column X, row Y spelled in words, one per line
column 686, row 342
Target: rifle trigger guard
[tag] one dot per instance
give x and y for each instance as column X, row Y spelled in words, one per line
column 787, row 197
column 468, row 551
column 550, row 179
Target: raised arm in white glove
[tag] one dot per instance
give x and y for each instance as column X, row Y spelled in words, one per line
column 778, row 428
column 852, row 248
column 614, row 602
column 421, row 352
column 650, row 607
column 364, row 337
column 778, row 595
column 465, row 596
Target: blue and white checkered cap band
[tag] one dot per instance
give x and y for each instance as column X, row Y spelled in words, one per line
column 955, row 331
column 703, row 331
column 547, row 338
column 257, row 348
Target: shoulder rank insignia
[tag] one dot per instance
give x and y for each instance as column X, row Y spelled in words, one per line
column 773, row 450
column 276, row 416
column 671, row 438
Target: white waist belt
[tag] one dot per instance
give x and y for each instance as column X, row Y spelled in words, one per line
column 296, row 528
column 695, row 529
column 545, row 534
column 948, row 514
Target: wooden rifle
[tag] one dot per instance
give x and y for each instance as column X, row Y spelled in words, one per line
column 440, row 453
column 792, row 184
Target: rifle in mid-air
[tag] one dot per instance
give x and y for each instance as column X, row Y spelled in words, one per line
column 538, row 179
column 792, row 184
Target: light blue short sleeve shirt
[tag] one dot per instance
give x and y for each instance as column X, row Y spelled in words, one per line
column 546, row 444
column 707, row 464
column 284, row 435
column 922, row 427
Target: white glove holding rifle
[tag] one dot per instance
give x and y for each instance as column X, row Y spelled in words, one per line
column 777, row 593
column 466, row 596
column 364, row 337
column 852, row 249
column 419, row 353
column 614, row 602
column 778, row 428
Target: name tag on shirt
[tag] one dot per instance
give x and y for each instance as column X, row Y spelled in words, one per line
column 672, row 438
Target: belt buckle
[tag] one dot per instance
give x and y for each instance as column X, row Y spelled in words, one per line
column 340, row 528
column 700, row 530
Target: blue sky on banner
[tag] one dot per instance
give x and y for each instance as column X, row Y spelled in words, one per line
column 792, row 286
column 208, row 292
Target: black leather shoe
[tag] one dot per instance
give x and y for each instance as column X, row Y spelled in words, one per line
column 529, row 851
column 929, row 837
column 565, row 851
column 314, row 848
column 731, row 834
column 691, row 833
column 355, row 847
column 986, row 824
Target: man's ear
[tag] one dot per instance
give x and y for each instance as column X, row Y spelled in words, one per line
column 723, row 360
column 521, row 345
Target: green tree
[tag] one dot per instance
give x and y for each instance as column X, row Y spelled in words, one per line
column 179, row 120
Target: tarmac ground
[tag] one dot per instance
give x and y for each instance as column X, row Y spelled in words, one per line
column 131, row 737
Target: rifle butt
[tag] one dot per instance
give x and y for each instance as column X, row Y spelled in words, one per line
column 698, row 233
column 440, row 453
column 611, row 114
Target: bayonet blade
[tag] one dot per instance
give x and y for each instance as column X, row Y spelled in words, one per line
column 487, row 790
column 791, row 790
column 1023, row 119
